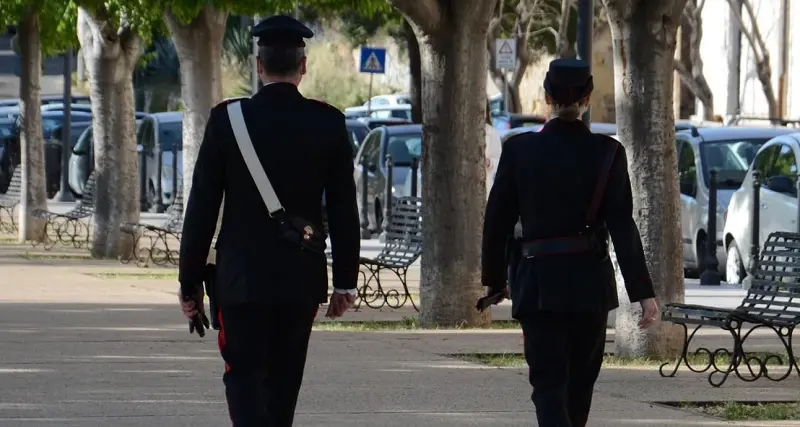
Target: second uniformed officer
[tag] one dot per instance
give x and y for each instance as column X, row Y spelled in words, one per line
column 272, row 156
column 570, row 189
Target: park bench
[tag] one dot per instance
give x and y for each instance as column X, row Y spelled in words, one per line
column 403, row 246
column 74, row 226
column 771, row 303
column 9, row 201
column 158, row 246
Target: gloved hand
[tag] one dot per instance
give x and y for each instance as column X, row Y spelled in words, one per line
column 192, row 306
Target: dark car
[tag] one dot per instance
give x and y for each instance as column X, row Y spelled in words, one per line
column 404, row 143
column 52, row 153
column 357, row 131
column 6, row 141
column 81, row 161
column 373, row 122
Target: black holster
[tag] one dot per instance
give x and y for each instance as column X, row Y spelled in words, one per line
column 302, row 233
column 210, row 281
column 513, row 257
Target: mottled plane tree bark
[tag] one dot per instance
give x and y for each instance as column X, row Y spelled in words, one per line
column 644, row 38
column 452, row 40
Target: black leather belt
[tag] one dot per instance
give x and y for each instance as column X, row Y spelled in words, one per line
column 556, row 246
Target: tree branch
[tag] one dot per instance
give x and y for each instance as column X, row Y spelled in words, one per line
column 425, row 14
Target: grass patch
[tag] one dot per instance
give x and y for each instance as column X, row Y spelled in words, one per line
column 30, row 256
column 139, row 276
column 406, row 324
column 609, row 360
column 745, row 411
column 8, row 240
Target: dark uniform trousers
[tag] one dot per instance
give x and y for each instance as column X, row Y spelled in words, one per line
column 264, row 348
column 564, row 352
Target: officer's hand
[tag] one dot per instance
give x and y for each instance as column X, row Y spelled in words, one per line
column 190, row 305
column 339, row 304
column 649, row 312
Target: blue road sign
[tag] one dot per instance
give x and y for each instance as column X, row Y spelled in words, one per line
column 373, row 60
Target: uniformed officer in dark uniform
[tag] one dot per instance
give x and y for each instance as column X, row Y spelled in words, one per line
column 563, row 284
column 267, row 289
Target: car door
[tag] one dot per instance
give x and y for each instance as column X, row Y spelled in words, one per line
column 687, row 178
column 368, row 156
column 782, row 206
column 764, row 163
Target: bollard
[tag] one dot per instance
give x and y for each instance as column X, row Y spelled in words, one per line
column 797, row 194
column 158, row 204
column 365, row 233
column 175, row 148
column 387, row 202
column 142, row 178
column 755, row 223
column 711, row 275
column 414, row 172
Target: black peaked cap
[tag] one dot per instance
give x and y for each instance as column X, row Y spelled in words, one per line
column 281, row 31
column 568, row 80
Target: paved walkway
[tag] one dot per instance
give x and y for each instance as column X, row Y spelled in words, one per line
column 79, row 350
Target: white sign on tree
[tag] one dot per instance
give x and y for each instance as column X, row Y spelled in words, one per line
column 505, row 53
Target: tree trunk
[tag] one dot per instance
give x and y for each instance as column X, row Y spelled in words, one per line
column 644, row 42
column 34, row 194
column 111, row 56
column 452, row 40
column 415, row 72
column 199, row 47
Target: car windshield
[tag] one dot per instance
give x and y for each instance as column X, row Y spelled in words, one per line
column 170, row 133
column 357, row 135
column 404, row 148
column 730, row 158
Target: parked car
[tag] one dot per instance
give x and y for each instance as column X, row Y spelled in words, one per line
column 403, row 142
column 6, row 164
column 777, row 163
column 81, row 161
column 375, row 102
column 55, row 99
column 166, row 131
column 356, row 131
column 373, row 123
column 729, row 150
column 59, row 106
column 52, row 153
column 392, row 111
column 505, row 121
column 10, row 102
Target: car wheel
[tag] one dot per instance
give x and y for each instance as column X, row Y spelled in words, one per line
column 734, row 267
column 701, row 252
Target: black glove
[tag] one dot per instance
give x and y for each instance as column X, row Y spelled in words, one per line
column 495, row 296
column 199, row 321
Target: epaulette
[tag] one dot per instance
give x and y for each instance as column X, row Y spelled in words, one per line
column 324, row 104
column 227, row 101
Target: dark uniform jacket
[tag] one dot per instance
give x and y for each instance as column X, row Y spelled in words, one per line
column 547, row 180
column 305, row 150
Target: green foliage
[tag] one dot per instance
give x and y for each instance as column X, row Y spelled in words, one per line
column 57, row 20
column 142, row 16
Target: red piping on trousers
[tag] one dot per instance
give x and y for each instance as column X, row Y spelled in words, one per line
column 221, row 337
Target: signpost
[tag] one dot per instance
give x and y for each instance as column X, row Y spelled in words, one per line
column 505, row 54
column 373, row 61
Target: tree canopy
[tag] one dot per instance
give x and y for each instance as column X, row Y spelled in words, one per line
column 57, row 20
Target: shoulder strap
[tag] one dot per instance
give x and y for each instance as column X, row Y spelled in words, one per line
column 251, row 158
column 600, row 187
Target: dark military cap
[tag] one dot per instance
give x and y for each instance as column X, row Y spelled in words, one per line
column 568, row 81
column 281, row 31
